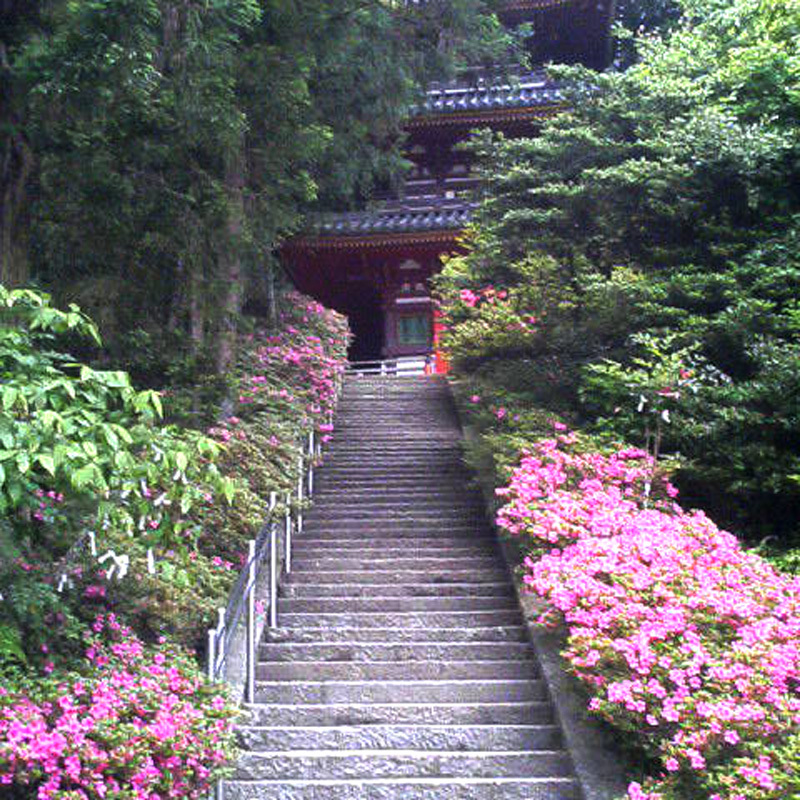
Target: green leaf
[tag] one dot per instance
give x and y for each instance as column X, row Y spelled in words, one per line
column 10, row 394
column 47, row 462
column 83, row 477
column 11, row 644
column 181, row 461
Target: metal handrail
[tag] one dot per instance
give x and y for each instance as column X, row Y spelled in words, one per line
column 264, row 549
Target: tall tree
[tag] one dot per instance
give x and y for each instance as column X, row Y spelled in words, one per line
column 179, row 141
column 664, row 202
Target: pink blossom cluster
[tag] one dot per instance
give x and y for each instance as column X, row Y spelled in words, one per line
column 488, row 294
column 557, row 496
column 142, row 724
column 683, row 637
column 300, row 366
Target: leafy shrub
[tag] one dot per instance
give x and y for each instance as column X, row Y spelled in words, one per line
column 132, row 722
column 684, row 639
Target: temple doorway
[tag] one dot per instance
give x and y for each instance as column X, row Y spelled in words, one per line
column 366, row 322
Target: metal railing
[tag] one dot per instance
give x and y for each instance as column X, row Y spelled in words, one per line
column 401, row 366
column 273, row 548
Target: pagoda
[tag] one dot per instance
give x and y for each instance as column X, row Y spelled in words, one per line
column 375, row 265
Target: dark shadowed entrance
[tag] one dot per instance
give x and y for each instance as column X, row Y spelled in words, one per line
column 366, row 321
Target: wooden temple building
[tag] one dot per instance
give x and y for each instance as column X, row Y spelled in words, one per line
column 375, row 265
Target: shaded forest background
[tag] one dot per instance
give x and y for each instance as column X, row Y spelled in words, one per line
column 647, row 245
column 155, row 153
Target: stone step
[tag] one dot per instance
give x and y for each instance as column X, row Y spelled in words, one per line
column 400, row 576
column 508, row 633
column 410, row 737
column 291, row 588
column 379, row 531
column 390, row 463
column 407, row 619
column 544, row 788
column 378, row 496
column 384, row 448
column 425, row 515
column 396, row 670
column 386, row 605
column 486, row 690
column 454, row 479
column 394, row 468
column 433, row 547
column 372, row 764
column 395, row 535
column 409, row 561
column 393, row 651
column 528, row 712
column 327, row 505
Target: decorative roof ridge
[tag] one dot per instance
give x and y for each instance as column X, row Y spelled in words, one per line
column 529, row 90
column 451, row 216
column 533, row 5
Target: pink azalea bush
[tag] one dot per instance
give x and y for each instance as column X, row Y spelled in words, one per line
column 135, row 722
column 683, row 638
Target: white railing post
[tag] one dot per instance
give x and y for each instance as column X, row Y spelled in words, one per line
column 287, row 528
column 222, row 652
column 310, row 463
column 300, row 481
column 212, row 655
column 250, row 689
column 273, row 563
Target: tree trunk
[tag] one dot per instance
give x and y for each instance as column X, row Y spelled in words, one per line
column 197, row 319
column 17, row 166
column 230, row 271
column 272, row 306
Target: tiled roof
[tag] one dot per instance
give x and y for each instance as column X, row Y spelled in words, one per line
column 533, row 89
column 359, row 223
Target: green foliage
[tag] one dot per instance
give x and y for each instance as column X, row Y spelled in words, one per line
column 83, row 454
column 662, row 204
column 177, row 144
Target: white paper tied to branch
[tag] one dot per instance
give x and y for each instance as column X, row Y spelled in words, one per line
column 151, row 562
column 92, row 544
column 119, row 567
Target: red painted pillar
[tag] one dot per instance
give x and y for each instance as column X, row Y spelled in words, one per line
column 442, row 367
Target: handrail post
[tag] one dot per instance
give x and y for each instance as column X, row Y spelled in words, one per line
column 212, row 654
column 299, row 527
column 221, row 652
column 287, row 529
column 250, row 690
column 273, row 564
column 310, row 463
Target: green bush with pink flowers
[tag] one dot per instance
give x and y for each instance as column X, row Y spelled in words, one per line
column 129, row 531
column 683, row 639
column 129, row 721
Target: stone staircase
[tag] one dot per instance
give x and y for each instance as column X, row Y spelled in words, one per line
column 401, row 668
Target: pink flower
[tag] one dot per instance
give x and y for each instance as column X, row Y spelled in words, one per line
column 469, row 298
